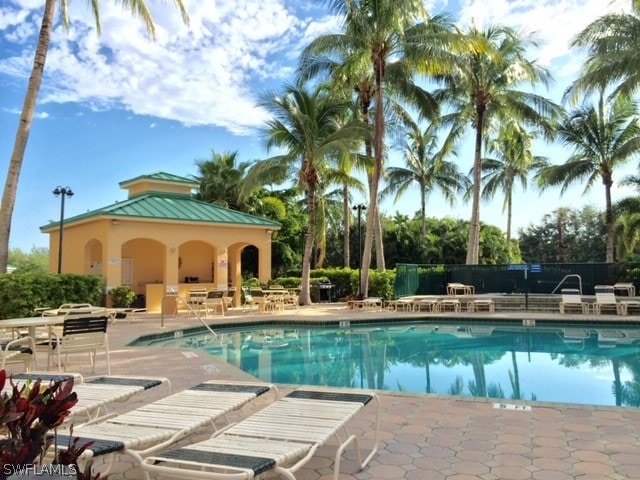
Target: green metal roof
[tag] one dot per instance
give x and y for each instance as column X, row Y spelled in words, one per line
column 174, row 207
column 161, row 177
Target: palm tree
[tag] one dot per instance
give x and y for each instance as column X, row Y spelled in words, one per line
column 603, row 139
column 220, row 179
column 308, row 127
column 139, row 9
column 512, row 162
column 482, row 86
column 427, row 167
column 612, row 44
column 377, row 32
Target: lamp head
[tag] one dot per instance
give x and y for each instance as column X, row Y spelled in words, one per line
column 64, row 191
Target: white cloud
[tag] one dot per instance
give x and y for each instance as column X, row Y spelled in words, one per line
column 554, row 23
column 209, row 73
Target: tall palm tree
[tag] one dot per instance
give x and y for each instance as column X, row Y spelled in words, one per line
column 511, row 163
column 308, row 126
column 603, row 138
column 427, row 167
column 483, row 86
column 382, row 36
column 139, row 9
column 612, row 44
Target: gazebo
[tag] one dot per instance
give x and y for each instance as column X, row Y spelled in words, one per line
column 161, row 241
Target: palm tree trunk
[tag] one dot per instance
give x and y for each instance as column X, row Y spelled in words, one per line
column 509, row 214
column 380, row 264
column 609, row 257
column 378, row 144
column 305, row 287
column 22, row 135
column 346, row 223
column 423, row 215
column 473, row 245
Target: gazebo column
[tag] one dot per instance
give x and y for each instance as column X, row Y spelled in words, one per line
column 222, row 268
column 233, row 256
column 171, row 268
column 112, row 266
column 264, row 259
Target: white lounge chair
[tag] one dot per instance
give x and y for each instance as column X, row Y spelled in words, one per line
column 605, row 297
column 476, row 304
column 280, row 438
column 158, row 425
column 430, row 304
column 571, row 298
column 96, row 395
column 404, row 304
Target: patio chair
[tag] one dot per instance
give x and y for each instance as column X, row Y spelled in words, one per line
column 196, row 301
column 158, row 425
column 404, row 304
column 456, row 288
column 453, row 303
column 430, row 304
column 249, row 302
column 476, row 304
column 14, row 348
column 605, row 297
column 96, row 395
column 81, row 333
column 214, row 302
column 228, row 297
column 571, row 298
column 280, row 438
column 261, row 300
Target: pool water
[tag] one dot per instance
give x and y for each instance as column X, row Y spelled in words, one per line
column 581, row 364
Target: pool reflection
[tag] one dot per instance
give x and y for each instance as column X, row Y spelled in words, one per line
column 575, row 364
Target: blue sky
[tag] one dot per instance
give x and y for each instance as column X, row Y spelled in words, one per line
column 118, row 105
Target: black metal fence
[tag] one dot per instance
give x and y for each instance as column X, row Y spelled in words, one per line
column 546, row 278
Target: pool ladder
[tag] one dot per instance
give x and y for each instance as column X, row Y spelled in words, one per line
column 565, row 278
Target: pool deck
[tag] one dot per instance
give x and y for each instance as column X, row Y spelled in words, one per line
column 424, row 437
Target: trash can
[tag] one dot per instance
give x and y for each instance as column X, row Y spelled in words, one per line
column 324, row 288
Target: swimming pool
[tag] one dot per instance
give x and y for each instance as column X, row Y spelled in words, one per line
column 581, row 364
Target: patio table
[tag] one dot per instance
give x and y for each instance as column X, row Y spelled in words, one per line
column 31, row 323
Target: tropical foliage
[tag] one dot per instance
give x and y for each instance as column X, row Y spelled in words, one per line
column 307, row 126
column 604, row 137
column 565, row 236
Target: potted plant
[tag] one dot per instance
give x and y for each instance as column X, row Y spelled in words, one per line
column 122, row 296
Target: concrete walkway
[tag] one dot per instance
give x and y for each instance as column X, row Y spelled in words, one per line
column 423, row 436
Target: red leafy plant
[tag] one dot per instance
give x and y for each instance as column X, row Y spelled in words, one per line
column 27, row 416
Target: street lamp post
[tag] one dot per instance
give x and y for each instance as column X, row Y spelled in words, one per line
column 63, row 192
column 360, row 207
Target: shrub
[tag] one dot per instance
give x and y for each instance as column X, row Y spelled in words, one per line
column 122, row 296
column 20, row 294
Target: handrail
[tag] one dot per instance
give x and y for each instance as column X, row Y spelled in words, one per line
column 568, row 276
column 188, row 305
